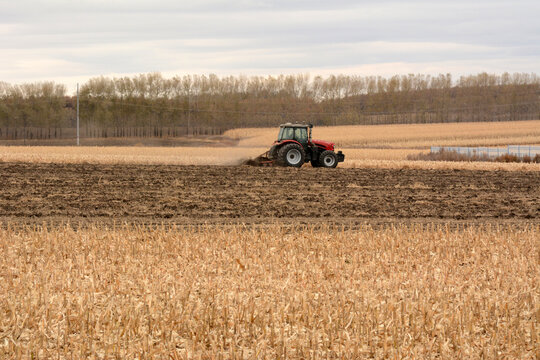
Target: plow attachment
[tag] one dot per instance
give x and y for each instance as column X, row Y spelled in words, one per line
column 261, row 160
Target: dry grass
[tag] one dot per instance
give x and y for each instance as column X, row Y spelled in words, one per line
column 129, row 155
column 410, row 135
column 268, row 293
column 355, row 158
column 449, row 155
column 165, row 155
column 383, row 146
column 380, row 154
column 439, row 165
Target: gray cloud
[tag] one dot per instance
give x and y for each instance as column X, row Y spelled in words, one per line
column 66, row 39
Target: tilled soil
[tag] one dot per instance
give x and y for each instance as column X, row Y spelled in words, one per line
column 198, row 194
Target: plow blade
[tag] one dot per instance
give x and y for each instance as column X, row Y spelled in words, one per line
column 261, row 160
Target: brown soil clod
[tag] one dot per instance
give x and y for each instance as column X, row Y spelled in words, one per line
column 261, row 160
column 252, row 162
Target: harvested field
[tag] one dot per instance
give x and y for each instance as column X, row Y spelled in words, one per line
column 204, row 155
column 355, row 158
column 409, row 136
column 404, row 292
column 365, row 146
column 104, row 257
column 198, row 194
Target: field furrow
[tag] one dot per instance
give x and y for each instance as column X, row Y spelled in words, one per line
column 194, row 194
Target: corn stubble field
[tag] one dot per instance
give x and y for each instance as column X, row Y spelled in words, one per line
column 441, row 281
column 270, row 292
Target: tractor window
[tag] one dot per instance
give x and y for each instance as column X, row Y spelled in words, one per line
column 300, row 134
column 286, row 133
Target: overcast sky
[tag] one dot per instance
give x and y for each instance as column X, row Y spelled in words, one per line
column 72, row 40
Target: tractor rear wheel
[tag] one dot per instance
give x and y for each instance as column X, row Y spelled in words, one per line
column 328, row 159
column 273, row 152
column 291, row 155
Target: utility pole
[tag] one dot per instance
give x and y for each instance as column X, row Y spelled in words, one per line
column 189, row 110
column 77, row 114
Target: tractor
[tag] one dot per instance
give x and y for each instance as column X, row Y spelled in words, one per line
column 294, row 147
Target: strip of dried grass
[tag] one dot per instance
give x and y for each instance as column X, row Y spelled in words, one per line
column 275, row 292
column 440, row 165
column 129, row 155
column 410, row 135
column 355, row 158
column 449, row 155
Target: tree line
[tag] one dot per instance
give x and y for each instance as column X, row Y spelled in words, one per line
column 154, row 106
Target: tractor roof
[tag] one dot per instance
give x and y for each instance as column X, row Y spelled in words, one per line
column 295, row 125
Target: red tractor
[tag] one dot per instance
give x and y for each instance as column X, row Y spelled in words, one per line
column 294, row 147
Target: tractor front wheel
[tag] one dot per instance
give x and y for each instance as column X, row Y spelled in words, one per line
column 291, row 155
column 328, row 159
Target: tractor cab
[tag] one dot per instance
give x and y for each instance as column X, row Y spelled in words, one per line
column 295, row 132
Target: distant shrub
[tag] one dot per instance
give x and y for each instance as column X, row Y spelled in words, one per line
column 507, row 158
column 446, row 155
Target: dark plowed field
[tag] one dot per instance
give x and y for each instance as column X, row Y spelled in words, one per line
column 195, row 194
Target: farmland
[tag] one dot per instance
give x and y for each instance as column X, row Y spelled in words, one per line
column 269, row 292
column 244, row 194
column 411, row 136
column 182, row 253
column 383, row 146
